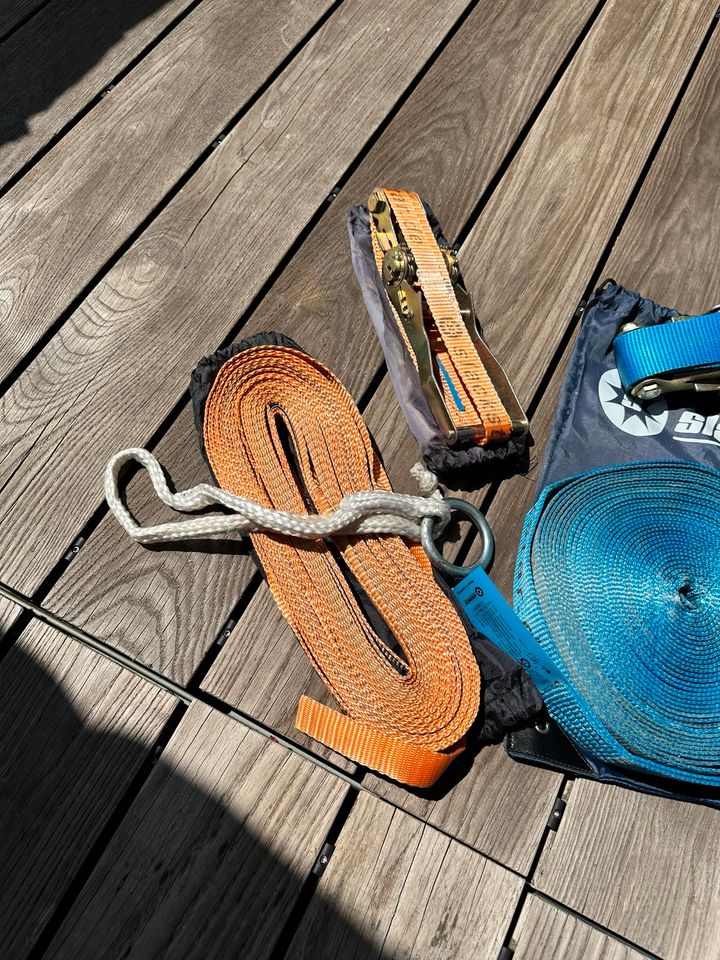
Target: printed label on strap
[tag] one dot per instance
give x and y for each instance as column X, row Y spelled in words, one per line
column 490, row 614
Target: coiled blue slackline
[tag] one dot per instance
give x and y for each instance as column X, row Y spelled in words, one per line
column 618, row 579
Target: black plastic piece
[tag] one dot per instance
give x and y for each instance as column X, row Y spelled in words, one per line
column 547, row 745
column 556, row 814
column 225, row 632
column 506, row 953
column 74, row 549
column 323, row 859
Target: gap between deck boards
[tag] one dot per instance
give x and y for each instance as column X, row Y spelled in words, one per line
column 186, row 697
column 88, row 528
column 83, row 875
column 536, row 397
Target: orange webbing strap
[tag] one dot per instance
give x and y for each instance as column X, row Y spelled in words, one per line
column 480, row 406
column 400, row 761
column 281, row 429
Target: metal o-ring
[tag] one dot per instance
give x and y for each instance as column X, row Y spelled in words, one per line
column 483, row 528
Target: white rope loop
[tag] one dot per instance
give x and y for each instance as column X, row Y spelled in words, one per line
column 369, row 512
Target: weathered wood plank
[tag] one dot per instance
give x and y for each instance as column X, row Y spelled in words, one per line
column 144, row 326
column 9, row 615
column 213, row 853
column 164, row 606
column 167, row 606
column 13, row 11
column 74, row 731
column 544, row 932
column 62, row 58
column 666, row 250
column 271, row 673
column 65, row 219
column 642, row 866
column 535, row 245
column 397, row 889
column 668, row 246
column 499, row 808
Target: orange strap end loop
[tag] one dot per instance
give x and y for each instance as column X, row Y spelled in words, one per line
column 401, row 761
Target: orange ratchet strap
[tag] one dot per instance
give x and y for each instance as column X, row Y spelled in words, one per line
column 281, row 429
column 465, row 387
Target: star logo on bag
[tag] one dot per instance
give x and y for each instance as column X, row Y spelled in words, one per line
column 623, row 412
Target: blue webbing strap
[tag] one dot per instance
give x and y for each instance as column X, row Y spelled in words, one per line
column 618, row 579
column 679, row 345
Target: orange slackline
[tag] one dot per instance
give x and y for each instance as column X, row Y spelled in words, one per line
column 480, row 406
column 405, row 718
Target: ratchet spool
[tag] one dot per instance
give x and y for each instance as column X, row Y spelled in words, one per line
column 466, row 389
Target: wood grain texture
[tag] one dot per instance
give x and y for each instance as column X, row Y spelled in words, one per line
column 67, row 217
column 545, row 932
column 536, row 244
column 10, row 613
column 74, row 731
column 474, row 90
column 63, row 58
column 499, row 807
column 642, row 866
column 668, row 246
column 263, row 671
column 211, row 856
column 165, row 605
column 13, row 11
column 145, row 325
column 397, row 889
column 666, row 250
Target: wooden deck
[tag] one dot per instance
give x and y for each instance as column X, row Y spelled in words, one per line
column 173, row 174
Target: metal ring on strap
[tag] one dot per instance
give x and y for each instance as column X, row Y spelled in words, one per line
column 427, row 529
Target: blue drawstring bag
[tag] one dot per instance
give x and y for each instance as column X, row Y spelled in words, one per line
column 618, row 574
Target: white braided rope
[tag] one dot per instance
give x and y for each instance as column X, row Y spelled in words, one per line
column 372, row 511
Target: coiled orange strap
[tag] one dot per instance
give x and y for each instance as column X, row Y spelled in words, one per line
column 281, row 429
column 480, row 406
